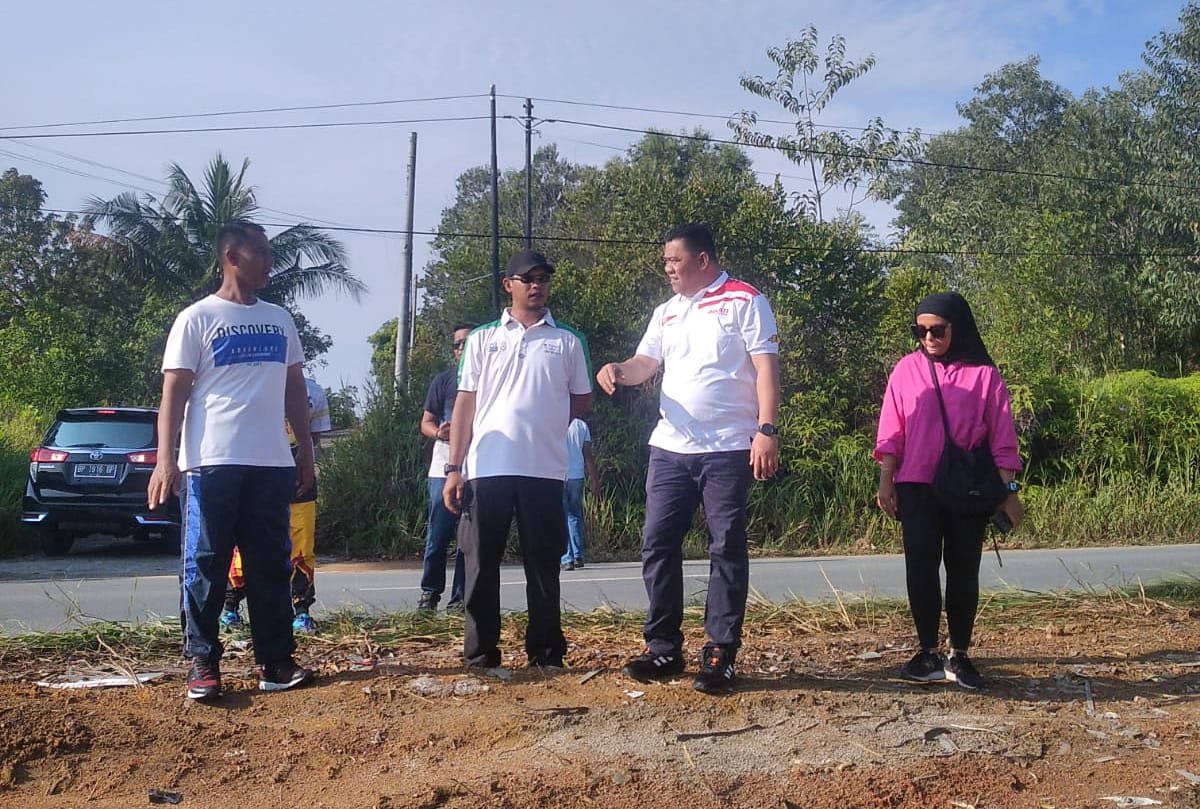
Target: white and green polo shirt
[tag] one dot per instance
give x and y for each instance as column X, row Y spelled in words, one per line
column 523, row 379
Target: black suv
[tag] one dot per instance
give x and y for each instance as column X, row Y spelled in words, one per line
column 90, row 474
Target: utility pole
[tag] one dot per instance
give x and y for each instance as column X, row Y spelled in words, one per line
column 403, row 327
column 495, row 214
column 529, row 172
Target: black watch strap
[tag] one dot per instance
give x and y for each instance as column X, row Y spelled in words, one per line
column 451, row 467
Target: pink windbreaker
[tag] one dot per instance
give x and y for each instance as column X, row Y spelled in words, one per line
column 910, row 423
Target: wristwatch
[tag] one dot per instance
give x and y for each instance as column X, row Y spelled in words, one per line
column 768, row 430
column 1013, row 486
column 451, row 467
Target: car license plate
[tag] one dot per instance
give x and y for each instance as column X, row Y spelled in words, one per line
column 95, row 470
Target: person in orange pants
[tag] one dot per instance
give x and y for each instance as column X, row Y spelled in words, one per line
column 304, row 535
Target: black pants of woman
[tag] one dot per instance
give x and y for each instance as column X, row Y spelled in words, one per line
column 932, row 535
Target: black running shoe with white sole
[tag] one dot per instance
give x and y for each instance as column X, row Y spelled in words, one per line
column 650, row 666
column 204, row 680
column 716, row 670
column 961, row 670
column 925, row 667
column 283, row 675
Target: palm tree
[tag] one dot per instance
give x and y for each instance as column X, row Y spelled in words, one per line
column 168, row 243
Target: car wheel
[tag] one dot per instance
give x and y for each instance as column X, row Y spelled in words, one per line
column 56, row 542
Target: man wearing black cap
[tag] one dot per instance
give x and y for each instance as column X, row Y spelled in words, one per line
column 522, row 378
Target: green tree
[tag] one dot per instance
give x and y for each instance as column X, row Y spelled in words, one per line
column 833, row 157
column 168, row 244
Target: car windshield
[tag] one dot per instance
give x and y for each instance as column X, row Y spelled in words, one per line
column 102, row 433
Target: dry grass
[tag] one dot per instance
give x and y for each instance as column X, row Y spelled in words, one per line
column 122, row 647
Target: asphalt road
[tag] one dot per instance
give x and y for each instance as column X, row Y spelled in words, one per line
column 106, row 580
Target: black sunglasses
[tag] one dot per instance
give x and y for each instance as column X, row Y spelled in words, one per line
column 936, row 332
column 530, row 280
column 458, row 344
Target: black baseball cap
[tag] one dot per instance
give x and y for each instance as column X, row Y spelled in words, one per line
column 525, row 260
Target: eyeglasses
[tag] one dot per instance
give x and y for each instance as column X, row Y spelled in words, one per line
column 936, row 332
column 457, row 344
column 530, row 280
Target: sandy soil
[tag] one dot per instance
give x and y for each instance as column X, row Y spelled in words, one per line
column 1094, row 708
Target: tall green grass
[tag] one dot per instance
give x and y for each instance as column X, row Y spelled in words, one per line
column 20, row 430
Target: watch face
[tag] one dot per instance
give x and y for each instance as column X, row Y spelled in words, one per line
column 767, row 429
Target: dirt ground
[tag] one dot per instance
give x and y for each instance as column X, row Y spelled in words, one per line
column 1095, row 707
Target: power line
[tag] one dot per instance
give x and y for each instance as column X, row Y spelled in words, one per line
column 913, row 161
column 155, row 180
column 657, row 242
column 710, row 115
column 248, row 128
column 266, row 110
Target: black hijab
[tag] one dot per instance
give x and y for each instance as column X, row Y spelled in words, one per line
column 966, row 346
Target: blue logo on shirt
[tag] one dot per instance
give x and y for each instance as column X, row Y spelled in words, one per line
column 235, row 349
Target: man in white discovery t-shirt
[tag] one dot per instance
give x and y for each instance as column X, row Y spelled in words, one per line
column 718, row 348
column 232, row 370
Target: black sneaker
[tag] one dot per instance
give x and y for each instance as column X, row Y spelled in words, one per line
column 925, row 667
column 283, row 675
column 716, row 670
column 579, row 564
column 428, row 602
column 649, row 666
column 204, row 680
column 961, row 670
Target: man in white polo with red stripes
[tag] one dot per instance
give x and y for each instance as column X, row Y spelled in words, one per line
column 717, row 344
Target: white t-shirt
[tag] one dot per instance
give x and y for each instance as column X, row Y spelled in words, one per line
column 318, row 407
column 523, row 380
column 240, row 355
column 578, row 434
column 709, row 402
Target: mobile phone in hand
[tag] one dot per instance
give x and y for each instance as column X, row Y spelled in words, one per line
column 1002, row 522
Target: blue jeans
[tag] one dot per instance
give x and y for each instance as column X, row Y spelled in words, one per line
column 247, row 506
column 442, row 525
column 573, row 505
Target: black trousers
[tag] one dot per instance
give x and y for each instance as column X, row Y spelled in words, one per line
column 933, row 535
column 488, row 509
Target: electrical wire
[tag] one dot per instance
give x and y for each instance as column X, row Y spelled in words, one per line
column 656, row 242
column 266, row 110
column 247, row 128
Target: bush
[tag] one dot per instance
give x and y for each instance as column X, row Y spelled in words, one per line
column 20, row 430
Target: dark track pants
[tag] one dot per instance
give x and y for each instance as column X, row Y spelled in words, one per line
column 220, row 505
column 675, row 485
column 489, row 506
column 933, row 535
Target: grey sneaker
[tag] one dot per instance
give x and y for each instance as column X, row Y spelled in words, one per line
column 961, row 670
column 925, row 667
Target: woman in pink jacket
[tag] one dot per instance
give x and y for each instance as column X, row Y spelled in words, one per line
column 908, row 446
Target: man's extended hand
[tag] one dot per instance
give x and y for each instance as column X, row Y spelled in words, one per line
column 609, row 376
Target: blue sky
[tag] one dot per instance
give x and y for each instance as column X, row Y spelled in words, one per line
column 74, row 61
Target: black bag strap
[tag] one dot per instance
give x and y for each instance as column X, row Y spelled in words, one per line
column 946, row 427
column 941, row 402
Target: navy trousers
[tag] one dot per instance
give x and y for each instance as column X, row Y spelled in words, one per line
column 488, row 510
column 220, row 505
column 675, row 485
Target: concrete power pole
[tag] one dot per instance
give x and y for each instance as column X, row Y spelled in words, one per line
column 405, row 318
column 495, row 214
column 529, row 172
